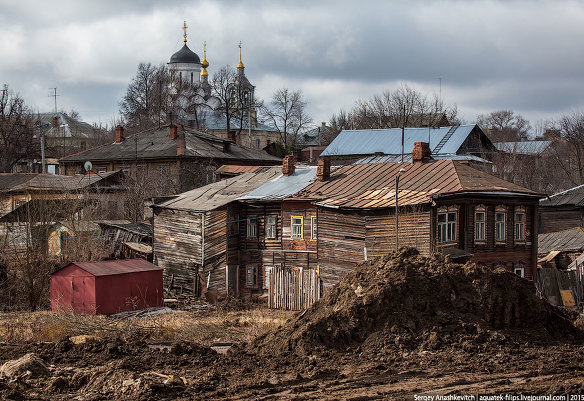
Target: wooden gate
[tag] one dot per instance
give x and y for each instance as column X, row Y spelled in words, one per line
column 292, row 289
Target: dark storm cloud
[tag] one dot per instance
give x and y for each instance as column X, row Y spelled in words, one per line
column 524, row 55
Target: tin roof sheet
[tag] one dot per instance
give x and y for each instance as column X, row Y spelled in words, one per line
column 221, row 193
column 373, row 185
column 523, row 148
column 283, row 186
column 111, row 267
column 443, row 140
column 565, row 240
column 155, row 143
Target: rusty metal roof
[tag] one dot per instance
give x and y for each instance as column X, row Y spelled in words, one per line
column 367, row 186
column 236, row 169
column 565, row 240
column 112, row 267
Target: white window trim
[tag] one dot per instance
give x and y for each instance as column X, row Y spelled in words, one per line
column 480, row 209
column 501, row 210
column 274, row 235
column 519, row 211
column 313, row 228
column 446, row 211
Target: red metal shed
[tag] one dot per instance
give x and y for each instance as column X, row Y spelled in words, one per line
column 106, row 287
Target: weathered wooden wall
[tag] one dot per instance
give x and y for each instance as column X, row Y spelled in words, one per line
column 560, row 218
column 177, row 245
column 346, row 238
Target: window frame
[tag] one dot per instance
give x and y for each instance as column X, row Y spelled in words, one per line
column 450, row 227
column 251, row 225
column 500, row 210
column 296, row 238
column 521, row 271
column 313, row 228
column 271, row 227
column 520, row 211
column 480, row 209
column 251, row 271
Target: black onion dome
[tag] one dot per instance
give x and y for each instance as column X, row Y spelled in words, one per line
column 185, row 55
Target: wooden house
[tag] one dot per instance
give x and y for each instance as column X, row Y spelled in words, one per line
column 197, row 234
column 464, row 142
column 173, row 159
column 444, row 206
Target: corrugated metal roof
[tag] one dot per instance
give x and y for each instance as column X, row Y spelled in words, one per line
column 573, row 196
column 155, row 143
column 523, row 148
column 283, row 186
column 443, row 140
column 221, row 193
column 23, row 182
column 408, row 158
column 111, row 267
column 373, row 185
column 565, row 240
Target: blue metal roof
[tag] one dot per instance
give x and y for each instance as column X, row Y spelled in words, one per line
column 523, row 148
column 283, row 186
column 443, row 140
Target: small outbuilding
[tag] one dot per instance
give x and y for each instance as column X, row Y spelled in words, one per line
column 106, row 287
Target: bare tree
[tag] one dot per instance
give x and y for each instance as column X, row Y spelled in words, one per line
column 17, row 139
column 220, row 85
column 569, row 153
column 286, row 112
column 504, row 126
column 145, row 104
column 404, row 106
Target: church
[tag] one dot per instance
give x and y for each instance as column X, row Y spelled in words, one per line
column 198, row 104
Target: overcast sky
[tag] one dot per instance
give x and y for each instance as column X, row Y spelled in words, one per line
column 526, row 56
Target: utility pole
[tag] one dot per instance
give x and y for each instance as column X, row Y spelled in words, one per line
column 403, row 133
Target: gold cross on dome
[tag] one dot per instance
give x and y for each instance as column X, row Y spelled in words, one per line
column 185, row 30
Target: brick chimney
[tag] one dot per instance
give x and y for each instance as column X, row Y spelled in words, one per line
column 181, row 147
column 421, row 152
column 288, row 165
column 55, row 121
column 323, row 171
column 173, row 134
column 119, row 134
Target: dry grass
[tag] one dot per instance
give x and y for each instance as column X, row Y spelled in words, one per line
column 202, row 327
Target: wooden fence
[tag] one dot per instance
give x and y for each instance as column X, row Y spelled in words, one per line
column 293, row 289
column 551, row 282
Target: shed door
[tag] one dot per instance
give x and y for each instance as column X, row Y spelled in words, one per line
column 78, row 300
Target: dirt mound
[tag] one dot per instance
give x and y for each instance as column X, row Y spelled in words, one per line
column 407, row 301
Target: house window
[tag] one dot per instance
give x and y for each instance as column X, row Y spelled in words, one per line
column 500, row 226
column 520, row 226
column 271, row 227
column 18, row 203
column 480, row 228
column 251, row 276
column 252, row 228
column 313, row 227
column 101, row 169
column 296, row 227
column 520, row 271
column 447, row 226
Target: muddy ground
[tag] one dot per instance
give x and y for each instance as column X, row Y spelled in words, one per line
column 397, row 327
